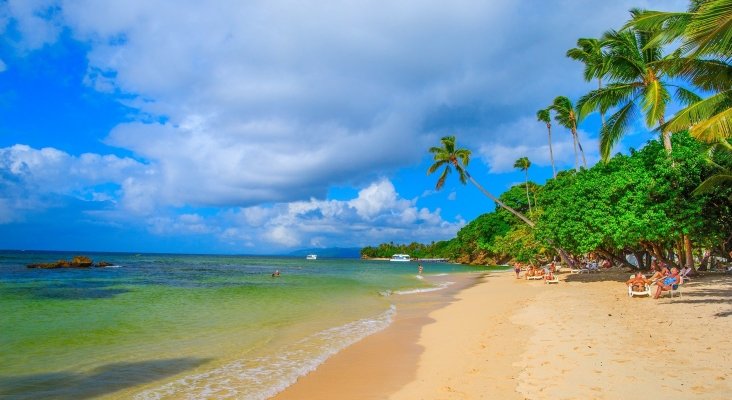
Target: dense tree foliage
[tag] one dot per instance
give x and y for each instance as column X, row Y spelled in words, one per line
column 671, row 200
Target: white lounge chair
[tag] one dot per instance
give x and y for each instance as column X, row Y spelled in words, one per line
column 645, row 292
column 676, row 288
column 554, row 280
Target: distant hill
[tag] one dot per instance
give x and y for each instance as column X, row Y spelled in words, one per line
column 330, row 252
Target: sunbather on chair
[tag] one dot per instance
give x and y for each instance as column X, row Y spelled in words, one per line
column 638, row 282
column 667, row 283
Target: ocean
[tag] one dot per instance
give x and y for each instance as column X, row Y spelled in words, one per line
column 169, row 326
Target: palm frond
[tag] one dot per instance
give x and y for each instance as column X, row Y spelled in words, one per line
column 606, row 98
column 700, row 111
column 614, row 128
column 717, row 127
column 654, row 100
column 710, row 30
column 544, row 116
column 686, row 96
column 434, row 167
column 442, row 178
column 712, row 183
column 668, row 26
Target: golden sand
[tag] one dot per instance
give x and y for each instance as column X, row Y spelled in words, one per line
column 503, row 338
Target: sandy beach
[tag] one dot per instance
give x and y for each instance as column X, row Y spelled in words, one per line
column 503, row 338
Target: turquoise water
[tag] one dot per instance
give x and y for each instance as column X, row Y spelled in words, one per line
column 186, row 326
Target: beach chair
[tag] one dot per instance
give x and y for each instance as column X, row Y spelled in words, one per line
column 684, row 274
column 645, row 292
column 578, row 269
column 553, row 280
column 676, row 288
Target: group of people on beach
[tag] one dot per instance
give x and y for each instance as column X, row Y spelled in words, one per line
column 532, row 270
column 663, row 278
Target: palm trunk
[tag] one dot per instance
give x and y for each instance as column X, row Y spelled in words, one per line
column 665, row 136
column 576, row 137
column 528, row 199
column 576, row 157
column 602, row 113
column 688, row 251
column 551, row 153
column 499, row 202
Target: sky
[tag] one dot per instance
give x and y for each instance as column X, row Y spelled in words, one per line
column 262, row 127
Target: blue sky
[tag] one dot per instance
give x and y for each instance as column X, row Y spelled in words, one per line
column 267, row 126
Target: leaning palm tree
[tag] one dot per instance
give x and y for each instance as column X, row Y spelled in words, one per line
column 590, row 52
column 640, row 81
column 568, row 117
column 450, row 157
column 523, row 164
column 545, row 117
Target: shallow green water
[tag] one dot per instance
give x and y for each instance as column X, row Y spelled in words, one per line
column 175, row 326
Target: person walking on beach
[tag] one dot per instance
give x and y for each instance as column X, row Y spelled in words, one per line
column 517, row 269
column 419, row 269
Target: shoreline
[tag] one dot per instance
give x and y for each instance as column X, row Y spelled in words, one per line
column 382, row 362
column 515, row 339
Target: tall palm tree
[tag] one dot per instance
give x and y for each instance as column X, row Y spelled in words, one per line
column 450, row 157
column 590, row 52
column 640, row 81
column 567, row 116
column 705, row 34
column 523, row 164
column 545, row 117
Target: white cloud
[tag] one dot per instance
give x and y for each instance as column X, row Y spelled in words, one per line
column 377, row 214
column 3, row 67
column 526, row 137
column 272, row 101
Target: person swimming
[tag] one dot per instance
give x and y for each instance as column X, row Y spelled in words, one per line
column 276, row 273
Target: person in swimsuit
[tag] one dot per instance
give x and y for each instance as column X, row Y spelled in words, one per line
column 517, row 269
column 638, row 282
column 667, row 282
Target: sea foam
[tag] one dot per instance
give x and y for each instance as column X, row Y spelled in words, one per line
column 263, row 377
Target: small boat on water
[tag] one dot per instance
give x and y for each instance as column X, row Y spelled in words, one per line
column 401, row 257
column 311, row 257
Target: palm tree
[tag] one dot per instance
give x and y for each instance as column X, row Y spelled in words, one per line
column 705, row 34
column 523, row 164
column 639, row 79
column 448, row 156
column 590, row 52
column 568, row 117
column 545, row 117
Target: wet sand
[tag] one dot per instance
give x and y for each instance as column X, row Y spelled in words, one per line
column 515, row 339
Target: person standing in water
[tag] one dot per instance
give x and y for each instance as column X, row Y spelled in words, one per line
column 420, row 269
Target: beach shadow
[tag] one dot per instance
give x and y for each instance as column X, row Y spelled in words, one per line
column 101, row 381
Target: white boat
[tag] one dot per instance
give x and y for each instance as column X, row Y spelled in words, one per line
column 401, row 257
column 311, row 257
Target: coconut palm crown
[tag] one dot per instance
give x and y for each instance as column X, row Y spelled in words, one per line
column 448, row 156
column 568, row 116
column 704, row 55
column 639, row 83
column 544, row 116
column 523, row 164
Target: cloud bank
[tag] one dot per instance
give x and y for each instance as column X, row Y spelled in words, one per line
column 257, row 108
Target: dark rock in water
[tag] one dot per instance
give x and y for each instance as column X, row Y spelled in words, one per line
column 76, row 262
column 102, row 264
column 81, row 262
